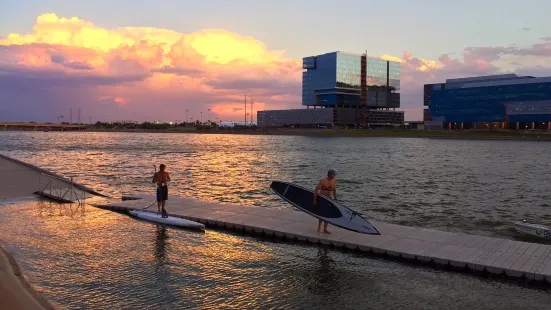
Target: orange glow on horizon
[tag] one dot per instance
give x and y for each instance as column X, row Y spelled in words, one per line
column 157, row 62
column 129, row 66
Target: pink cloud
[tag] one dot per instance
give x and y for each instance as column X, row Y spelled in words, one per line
column 144, row 72
column 150, row 73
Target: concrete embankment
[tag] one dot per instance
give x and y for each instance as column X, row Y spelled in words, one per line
column 15, row 291
column 19, row 181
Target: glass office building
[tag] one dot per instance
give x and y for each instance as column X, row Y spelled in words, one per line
column 355, row 89
column 350, row 80
column 504, row 101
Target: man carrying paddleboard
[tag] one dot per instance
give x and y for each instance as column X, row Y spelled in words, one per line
column 326, row 187
column 161, row 178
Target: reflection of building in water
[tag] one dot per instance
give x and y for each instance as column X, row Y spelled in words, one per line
column 505, row 101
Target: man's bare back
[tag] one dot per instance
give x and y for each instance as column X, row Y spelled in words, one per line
column 161, row 178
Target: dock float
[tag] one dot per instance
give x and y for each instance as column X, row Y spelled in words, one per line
column 514, row 259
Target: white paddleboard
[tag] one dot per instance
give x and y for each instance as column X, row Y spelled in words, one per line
column 533, row 229
column 170, row 220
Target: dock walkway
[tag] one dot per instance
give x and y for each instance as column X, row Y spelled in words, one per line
column 514, row 259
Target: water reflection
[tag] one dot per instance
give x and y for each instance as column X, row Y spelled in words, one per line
column 422, row 183
column 161, row 237
column 324, row 276
column 107, row 260
column 48, row 208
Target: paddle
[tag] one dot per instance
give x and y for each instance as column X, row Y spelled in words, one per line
column 155, row 166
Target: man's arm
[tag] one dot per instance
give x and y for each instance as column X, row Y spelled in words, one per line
column 167, row 176
column 154, row 178
column 334, row 189
column 316, row 192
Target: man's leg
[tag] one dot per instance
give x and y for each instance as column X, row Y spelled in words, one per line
column 158, row 200
column 164, row 199
column 325, row 228
column 163, row 208
column 319, row 225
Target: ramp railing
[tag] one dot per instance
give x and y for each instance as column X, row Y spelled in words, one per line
column 60, row 193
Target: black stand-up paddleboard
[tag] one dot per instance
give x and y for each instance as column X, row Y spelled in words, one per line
column 326, row 210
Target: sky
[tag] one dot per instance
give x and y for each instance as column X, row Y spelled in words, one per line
column 169, row 60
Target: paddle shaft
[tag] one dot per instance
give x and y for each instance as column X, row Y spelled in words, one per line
column 155, row 166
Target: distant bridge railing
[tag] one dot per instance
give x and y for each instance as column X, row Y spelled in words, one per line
column 42, row 125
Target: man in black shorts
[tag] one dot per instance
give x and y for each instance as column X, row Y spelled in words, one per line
column 161, row 178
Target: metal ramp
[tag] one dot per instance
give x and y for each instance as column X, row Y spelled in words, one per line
column 60, row 189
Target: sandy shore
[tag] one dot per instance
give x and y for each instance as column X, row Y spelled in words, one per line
column 15, row 292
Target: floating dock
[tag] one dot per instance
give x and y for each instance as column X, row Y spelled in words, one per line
column 514, row 259
column 511, row 258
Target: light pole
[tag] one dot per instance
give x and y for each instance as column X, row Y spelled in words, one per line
column 187, row 118
column 252, row 115
column 201, row 117
column 209, row 116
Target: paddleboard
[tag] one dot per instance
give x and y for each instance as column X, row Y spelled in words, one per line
column 533, row 229
column 170, row 220
column 327, row 209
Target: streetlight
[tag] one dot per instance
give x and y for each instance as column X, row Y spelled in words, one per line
column 187, row 118
column 201, row 117
column 209, row 116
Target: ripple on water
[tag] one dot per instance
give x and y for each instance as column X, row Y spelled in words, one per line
column 372, row 173
column 88, row 258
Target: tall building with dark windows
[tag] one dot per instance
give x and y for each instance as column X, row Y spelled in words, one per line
column 359, row 91
column 504, row 101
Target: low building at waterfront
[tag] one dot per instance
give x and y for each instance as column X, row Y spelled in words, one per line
column 350, row 117
column 505, row 101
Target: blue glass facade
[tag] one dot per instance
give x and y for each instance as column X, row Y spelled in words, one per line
column 497, row 101
column 335, row 79
column 319, row 76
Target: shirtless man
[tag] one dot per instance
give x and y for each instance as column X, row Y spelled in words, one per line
column 326, row 187
column 161, row 178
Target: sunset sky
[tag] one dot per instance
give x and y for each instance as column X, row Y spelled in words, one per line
column 153, row 60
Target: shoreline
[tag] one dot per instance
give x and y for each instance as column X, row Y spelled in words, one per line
column 341, row 133
column 376, row 133
column 15, row 291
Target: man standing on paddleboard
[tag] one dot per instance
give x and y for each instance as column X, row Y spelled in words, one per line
column 161, row 178
column 326, row 187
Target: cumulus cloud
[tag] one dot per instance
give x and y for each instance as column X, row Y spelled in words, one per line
column 144, row 73
column 140, row 72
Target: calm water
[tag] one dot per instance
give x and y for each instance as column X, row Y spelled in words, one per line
column 85, row 258
column 473, row 186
